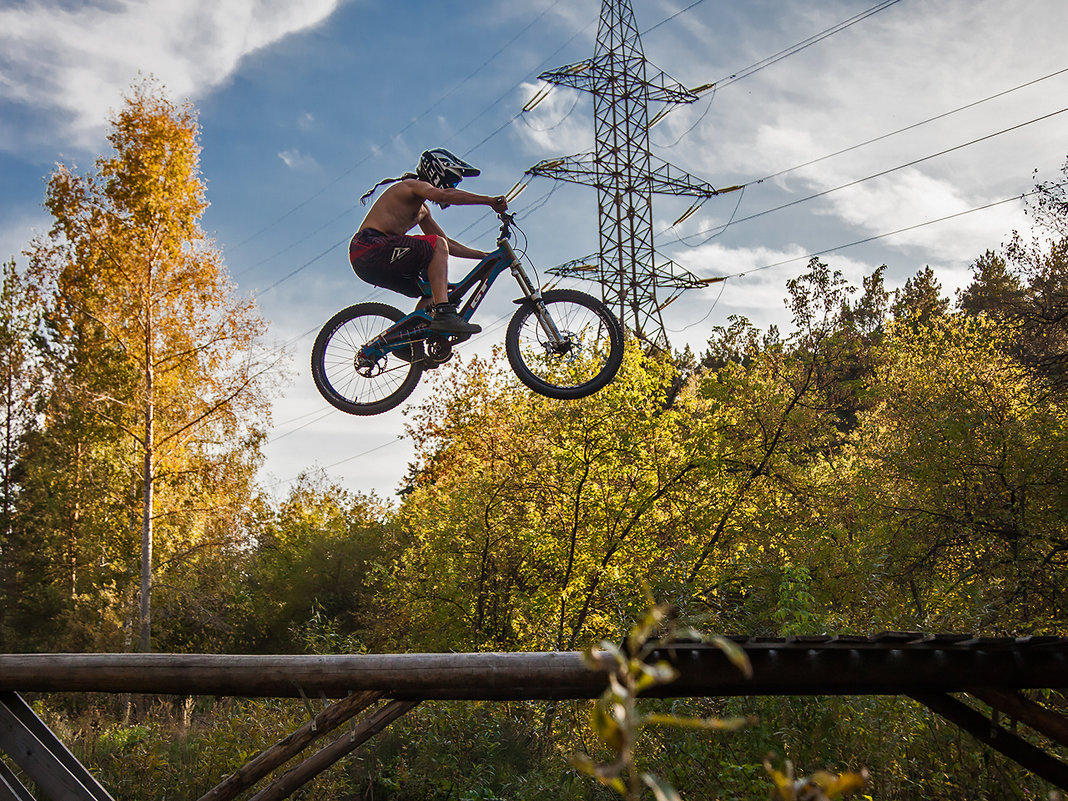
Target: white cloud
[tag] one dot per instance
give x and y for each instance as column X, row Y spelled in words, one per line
column 78, row 61
column 912, row 198
column 561, row 124
column 296, row 160
column 894, row 69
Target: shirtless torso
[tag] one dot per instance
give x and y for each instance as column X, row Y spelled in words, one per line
column 384, row 254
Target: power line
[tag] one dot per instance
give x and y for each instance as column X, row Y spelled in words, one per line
column 737, row 76
column 321, row 415
column 910, row 127
column 394, row 441
column 500, row 99
column 665, row 21
column 797, row 48
column 506, row 124
column 876, row 237
column 544, row 61
column 399, row 133
column 278, row 253
column 299, row 269
column 720, row 228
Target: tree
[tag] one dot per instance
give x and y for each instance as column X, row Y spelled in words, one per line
column 147, row 336
column 920, row 299
column 995, row 289
column 532, row 523
column 959, row 472
column 19, row 385
column 314, row 558
column 18, row 375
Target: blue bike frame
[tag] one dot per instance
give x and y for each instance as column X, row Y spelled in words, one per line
column 413, row 328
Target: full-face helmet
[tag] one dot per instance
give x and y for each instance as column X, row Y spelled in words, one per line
column 443, row 169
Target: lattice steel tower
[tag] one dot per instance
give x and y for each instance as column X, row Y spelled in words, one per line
column 625, row 173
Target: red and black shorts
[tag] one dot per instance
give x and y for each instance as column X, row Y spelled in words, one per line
column 392, row 261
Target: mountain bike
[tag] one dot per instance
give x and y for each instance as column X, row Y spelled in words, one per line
column 561, row 343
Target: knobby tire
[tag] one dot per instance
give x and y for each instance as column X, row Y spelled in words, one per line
column 333, row 362
column 589, row 365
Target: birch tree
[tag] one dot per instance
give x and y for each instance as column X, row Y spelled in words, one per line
column 139, row 287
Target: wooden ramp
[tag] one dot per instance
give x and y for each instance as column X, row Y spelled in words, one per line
column 375, row 689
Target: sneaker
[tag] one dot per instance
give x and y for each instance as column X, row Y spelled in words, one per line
column 446, row 320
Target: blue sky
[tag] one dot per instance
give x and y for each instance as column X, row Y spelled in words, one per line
column 304, row 104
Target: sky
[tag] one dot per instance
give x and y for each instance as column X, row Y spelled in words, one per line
column 905, row 138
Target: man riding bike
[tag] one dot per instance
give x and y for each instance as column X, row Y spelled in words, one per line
column 382, row 253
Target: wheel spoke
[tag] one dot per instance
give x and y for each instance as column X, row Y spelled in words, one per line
column 350, row 385
column 585, row 358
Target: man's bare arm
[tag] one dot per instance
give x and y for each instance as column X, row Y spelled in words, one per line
column 428, row 225
column 457, row 197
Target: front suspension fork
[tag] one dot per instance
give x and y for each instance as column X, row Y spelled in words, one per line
column 534, row 294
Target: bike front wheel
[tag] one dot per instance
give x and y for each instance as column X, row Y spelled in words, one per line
column 353, row 377
column 584, row 358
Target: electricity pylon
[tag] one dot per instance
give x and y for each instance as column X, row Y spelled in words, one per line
column 626, row 174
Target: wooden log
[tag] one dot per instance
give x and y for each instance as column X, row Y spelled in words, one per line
column 779, row 668
column 45, row 760
column 1009, row 744
column 476, row 675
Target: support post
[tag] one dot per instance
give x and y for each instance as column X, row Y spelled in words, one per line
column 11, row 789
column 1001, row 740
column 288, row 747
column 307, row 770
column 1042, row 720
column 32, row 745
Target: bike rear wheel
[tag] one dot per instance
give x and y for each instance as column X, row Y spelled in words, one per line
column 346, row 377
column 586, row 359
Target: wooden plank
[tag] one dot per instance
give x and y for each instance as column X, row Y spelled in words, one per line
column 998, row 738
column 488, row 675
column 45, row 760
column 307, row 770
column 11, row 789
column 1042, row 720
column 288, row 747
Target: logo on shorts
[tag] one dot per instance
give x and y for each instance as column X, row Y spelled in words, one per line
column 399, row 253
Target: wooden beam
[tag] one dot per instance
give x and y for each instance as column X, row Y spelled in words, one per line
column 307, row 770
column 11, row 789
column 1042, row 720
column 998, row 738
column 779, row 668
column 413, row 676
column 45, row 760
column 288, row 747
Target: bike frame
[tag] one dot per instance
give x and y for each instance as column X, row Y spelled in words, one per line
column 402, row 333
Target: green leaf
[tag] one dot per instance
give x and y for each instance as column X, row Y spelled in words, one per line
column 707, row 724
column 660, row 673
column 641, row 632
column 597, row 657
column 605, row 726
